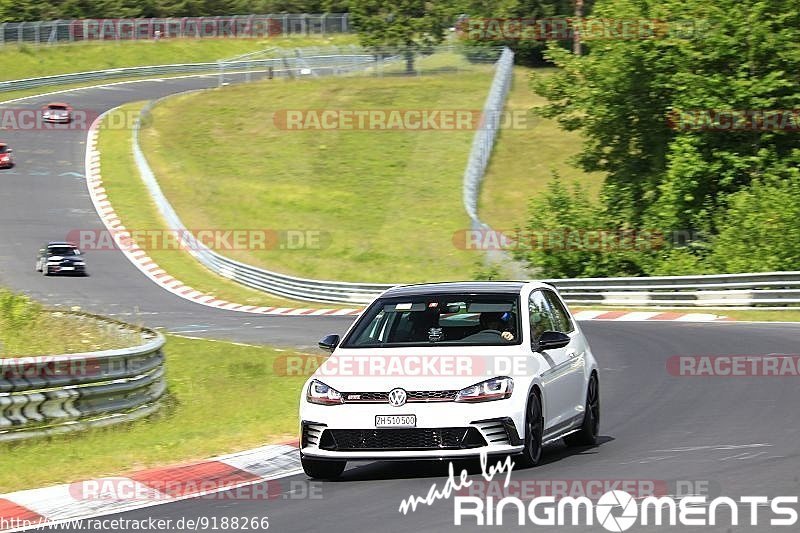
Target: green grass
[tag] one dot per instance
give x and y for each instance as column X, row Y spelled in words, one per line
column 28, row 329
column 524, row 159
column 391, row 201
column 132, row 204
column 33, row 61
column 204, row 416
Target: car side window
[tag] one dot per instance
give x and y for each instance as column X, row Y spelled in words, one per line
column 541, row 315
column 561, row 317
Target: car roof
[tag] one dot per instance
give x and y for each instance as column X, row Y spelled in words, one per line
column 58, row 104
column 460, row 287
column 61, row 243
column 3, row 144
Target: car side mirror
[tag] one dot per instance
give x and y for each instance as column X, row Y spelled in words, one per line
column 550, row 340
column 10, row 150
column 329, row 343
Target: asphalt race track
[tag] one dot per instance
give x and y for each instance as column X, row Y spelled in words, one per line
column 726, row 436
column 722, row 435
column 45, row 196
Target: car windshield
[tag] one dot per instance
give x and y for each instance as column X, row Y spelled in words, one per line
column 3, row 149
column 63, row 250
column 57, row 107
column 441, row 319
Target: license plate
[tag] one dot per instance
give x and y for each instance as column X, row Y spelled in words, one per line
column 395, row 421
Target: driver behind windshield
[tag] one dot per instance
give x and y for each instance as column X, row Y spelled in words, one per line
column 492, row 323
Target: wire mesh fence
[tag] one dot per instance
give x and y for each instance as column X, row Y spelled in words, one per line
column 355, row 60
column 236, row 26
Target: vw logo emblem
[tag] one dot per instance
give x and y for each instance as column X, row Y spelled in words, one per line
column 397, row 397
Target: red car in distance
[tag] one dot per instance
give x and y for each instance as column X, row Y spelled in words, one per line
column 6, row 159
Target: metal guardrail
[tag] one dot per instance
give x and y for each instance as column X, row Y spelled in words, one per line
column 51, row 394
column 776, row 289
column 768, row 289
column 279, row 284
column 234, row 26
column 257, row 278
column 294, row 60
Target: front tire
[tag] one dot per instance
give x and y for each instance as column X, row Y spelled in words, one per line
column 534, row 429
column 590, row 429
column 316, row 469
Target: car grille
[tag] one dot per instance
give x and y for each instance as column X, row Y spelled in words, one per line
column 412, row 396
column 401, row 439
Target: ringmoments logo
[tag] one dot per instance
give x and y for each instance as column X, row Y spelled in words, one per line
column 616, row 510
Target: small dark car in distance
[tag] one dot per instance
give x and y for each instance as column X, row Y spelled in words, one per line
column 6, row 159
column 57, row 112
column 61, row 258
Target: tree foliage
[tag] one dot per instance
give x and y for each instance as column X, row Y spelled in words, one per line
column 405, row 25
column 723, row 55
column 527, row 51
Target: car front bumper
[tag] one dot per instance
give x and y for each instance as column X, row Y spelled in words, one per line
column 444, row 430
column 66, row 269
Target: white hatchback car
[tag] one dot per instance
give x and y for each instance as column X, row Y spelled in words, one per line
column 451, row 370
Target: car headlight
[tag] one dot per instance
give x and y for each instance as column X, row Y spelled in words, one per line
column 79, row 263
column 322, row 394
column 486, row 391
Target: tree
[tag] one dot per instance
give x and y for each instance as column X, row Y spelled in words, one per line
column 405, row 25
column 723, row 55
column 527, row 50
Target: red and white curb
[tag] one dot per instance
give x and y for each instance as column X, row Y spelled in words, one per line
column 637, row 316
column 148, row 267
column 235, row 474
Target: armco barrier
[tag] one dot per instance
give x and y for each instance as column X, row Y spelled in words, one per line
column 52, row 394
column 294, row 60
column 763, row 290
column 280, row 284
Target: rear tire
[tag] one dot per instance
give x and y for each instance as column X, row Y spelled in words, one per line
column 316, row 469
column 534, row 429
column 45, row 271
column 590, row 429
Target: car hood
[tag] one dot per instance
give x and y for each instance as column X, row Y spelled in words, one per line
column 423, row 368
